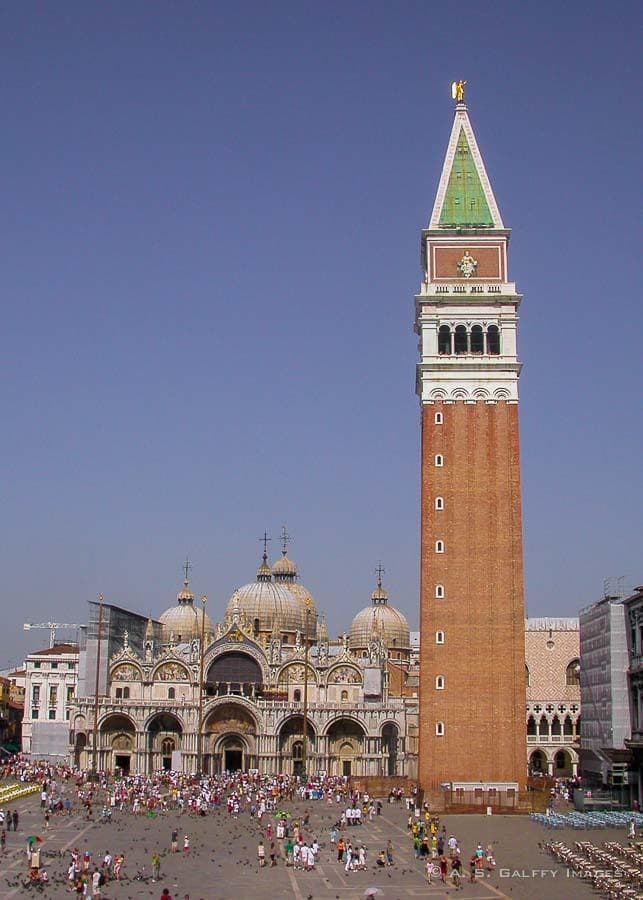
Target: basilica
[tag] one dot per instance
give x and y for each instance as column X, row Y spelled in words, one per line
column 278, row 695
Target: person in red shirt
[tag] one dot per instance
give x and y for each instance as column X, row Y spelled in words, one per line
column 166, row 894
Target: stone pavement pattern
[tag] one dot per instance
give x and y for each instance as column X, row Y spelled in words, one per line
column 223, row 857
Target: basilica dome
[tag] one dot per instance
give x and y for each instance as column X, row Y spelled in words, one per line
column 184, row 621
column 379, row 620
column 284, row 573
column 268, row 606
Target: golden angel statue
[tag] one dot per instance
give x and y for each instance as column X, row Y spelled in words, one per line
column 457, row 91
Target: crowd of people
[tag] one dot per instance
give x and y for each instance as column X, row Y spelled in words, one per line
column 266, row 803
column 442, row 855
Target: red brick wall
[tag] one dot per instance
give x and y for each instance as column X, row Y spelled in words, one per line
column 482, row 615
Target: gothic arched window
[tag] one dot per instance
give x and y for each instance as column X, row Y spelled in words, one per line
column 572, row 675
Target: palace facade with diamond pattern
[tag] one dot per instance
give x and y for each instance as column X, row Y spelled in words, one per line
column 472, row 648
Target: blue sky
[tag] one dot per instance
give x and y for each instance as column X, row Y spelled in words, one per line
column 211, row 217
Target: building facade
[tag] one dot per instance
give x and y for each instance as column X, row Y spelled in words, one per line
column 633, row 775
column 472, row 685
column 51, row 679
column 605, row 697
column 278, row 695
column 552, row 671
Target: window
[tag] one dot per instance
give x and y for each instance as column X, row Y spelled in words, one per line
column 439, row 729
column 68, row 714
column 439, row 502
column 344, row 696
column 439, row 592
column 52, row 713
column 125, row 693
column 70, row 665
column 34, row 713
column 53, row 695
column 573, row 673
column 171, row 693
column 35, row 695
column 439, row 419
column 439, row 546
column 439, row 682
column 36, row 665
column 439, row 637
column 477, row 339
column 493, row 340
column 54, row 665
column 119, row 693
column 444, row 340
column 297, row 696
column 460, row 342
column 70, row 694
column 439, row 460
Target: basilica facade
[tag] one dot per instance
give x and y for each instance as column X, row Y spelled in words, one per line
column 263, row 689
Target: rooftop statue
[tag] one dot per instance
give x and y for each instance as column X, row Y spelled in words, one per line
column 457, row 91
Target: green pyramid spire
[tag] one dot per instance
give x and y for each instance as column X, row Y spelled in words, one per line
column 465, row 203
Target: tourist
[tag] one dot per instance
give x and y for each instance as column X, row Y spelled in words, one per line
column 261, row 854
column 98, row 880
column 118, row 866
column 156, row 867
column 456, row 872
column 186, row 845
column 389, row 852
column 174, row 841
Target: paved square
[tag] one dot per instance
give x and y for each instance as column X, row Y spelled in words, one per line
column 223, row 857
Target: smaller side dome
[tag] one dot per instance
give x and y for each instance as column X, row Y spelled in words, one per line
column 184, row 622
column 284, row 567
column 383, row 621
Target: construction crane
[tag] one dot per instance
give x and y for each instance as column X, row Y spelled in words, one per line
column 52, row 626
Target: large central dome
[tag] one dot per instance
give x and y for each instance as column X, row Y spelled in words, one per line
column 269, row 607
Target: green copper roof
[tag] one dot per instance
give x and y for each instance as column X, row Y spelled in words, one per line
column 465, row 203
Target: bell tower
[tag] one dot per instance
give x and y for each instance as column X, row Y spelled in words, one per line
column 472, row 653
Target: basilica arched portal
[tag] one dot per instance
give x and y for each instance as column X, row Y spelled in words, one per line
column 163, row 738
column 346, row 739
column 117, row 744
column 291, row 745
column 230, row 739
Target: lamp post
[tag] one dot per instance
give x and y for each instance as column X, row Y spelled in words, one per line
column 304, row 749
column 199, row 760
column 96, row 686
